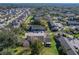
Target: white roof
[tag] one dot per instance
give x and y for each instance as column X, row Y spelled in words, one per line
column 35, row 34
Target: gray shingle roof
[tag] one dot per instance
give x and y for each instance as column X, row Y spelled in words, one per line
column 70, row 50
column 37, row 27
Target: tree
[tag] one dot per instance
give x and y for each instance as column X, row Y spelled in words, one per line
column 36, row 46
column 7, row 39
column 6, row 52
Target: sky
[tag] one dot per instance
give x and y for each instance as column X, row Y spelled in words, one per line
column 39, row 1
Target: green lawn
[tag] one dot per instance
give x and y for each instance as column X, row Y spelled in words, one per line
column 47, row 51
column 76, row 35
column 52, row 50
column 53, row 44
column 28, row 19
